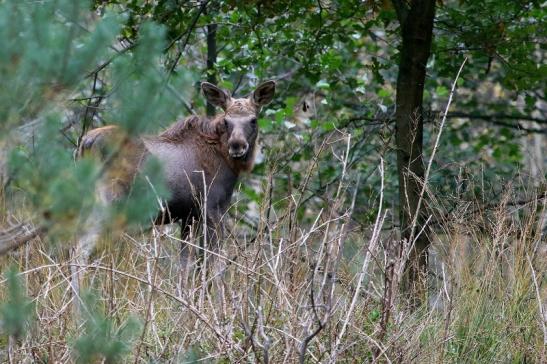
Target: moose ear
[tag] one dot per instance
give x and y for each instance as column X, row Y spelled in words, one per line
column 215, row 95
column 264, row 93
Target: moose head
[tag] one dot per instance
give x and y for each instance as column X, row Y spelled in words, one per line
column 238, row 122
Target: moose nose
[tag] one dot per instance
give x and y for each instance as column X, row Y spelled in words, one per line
column 238, row 149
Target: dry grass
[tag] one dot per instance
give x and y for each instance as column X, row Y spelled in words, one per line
column 291, row 292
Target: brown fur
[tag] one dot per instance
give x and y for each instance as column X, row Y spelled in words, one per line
column 201, row 161
column 213, row 137
column 223, row 147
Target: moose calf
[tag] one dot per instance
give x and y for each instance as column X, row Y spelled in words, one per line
column 201, row 159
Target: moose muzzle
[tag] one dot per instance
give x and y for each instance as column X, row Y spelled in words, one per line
column 238, row 149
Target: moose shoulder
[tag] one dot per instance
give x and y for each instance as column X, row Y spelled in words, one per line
column 201, row 158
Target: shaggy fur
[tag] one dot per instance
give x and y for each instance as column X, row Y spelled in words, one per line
column 192, row 151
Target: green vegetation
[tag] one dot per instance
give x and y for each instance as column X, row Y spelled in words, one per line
column 356, row 238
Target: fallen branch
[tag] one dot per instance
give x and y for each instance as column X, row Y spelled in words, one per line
column 9, row 242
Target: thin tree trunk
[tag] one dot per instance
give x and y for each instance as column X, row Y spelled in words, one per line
column 211, row 60
column 416, row 25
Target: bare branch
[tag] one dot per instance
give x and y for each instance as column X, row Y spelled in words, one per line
column 414, row 224
column 320, row 326
column 496, row 119
column 456, row 114
column 188, row 33
column 9, row 242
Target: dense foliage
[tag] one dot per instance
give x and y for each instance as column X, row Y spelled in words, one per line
column 68, row 66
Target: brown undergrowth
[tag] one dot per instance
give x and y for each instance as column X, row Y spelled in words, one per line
column 300, row 292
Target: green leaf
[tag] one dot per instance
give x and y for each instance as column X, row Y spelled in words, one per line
column 441, row 91
column 384, row 93
column 322, row 84
column 328, row 126
column 265, row 124
column 374, row 315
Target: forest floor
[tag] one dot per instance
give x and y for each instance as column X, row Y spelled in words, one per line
column 326, row 292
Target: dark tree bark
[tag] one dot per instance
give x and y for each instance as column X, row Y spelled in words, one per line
column 416, row 26
column 211, row 60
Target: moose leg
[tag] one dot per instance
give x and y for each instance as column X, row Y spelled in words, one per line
column 186, row 251
column 213, row 239
column 81, row 252
column 216, row 262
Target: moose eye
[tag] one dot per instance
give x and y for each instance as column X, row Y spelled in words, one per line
column 253, row 121
column 226, row 123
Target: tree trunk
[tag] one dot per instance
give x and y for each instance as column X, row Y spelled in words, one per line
column 416, row 25
column 211, row 60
